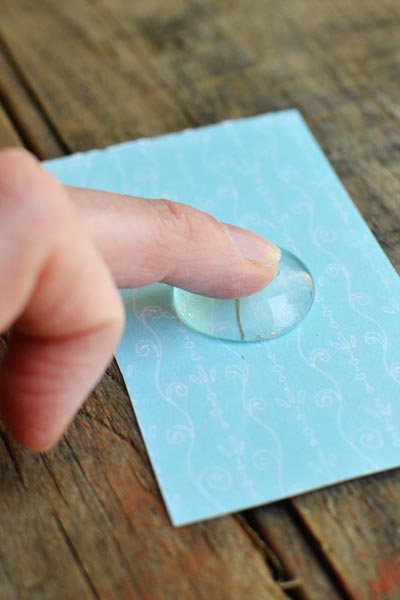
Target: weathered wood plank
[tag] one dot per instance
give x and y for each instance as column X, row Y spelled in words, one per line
column 212, row 60
column 8, row 135
column 26, row 115
column 356, row 524
column 293, row 559
column 90, row 85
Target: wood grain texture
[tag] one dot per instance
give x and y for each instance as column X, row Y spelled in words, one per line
column 293, row 556
column 90, row 85
column 8, row 135
column 356, row 525
column 26, row 115
column 86, row 520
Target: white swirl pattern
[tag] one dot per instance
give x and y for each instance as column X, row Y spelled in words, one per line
column 229, row 426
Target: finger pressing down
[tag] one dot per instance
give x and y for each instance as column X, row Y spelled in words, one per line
column 59, row 299
column 143, row 241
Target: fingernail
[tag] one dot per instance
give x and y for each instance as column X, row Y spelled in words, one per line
column 252, row 246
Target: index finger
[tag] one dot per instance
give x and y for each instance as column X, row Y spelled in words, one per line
column 144, row 241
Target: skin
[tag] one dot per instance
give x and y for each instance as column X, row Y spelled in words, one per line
column 63, row 254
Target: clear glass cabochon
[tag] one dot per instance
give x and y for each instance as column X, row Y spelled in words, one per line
column 267, row 314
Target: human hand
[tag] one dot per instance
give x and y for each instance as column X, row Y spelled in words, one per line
column 63, row 252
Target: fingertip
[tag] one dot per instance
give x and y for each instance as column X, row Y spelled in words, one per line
column 43, row 383
column 36, row 441
column 29, row 441
column 265, row 275
column 210, row 257
column 250, row 279
column 260, row 264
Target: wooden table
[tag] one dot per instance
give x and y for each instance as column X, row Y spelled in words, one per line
column 86, row 520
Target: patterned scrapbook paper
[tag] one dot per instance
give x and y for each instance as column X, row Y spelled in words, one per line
column 229, row 425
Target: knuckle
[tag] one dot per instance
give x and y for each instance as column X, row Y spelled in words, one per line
column 176, row 218
column 189, row 225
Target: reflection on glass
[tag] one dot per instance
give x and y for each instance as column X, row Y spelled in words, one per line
column 267, row 314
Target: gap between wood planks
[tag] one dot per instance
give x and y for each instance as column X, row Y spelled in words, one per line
column 282, row 571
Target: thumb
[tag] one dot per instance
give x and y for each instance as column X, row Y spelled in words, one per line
column 144, row 241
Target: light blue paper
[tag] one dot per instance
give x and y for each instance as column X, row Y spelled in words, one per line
column 228, row 425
